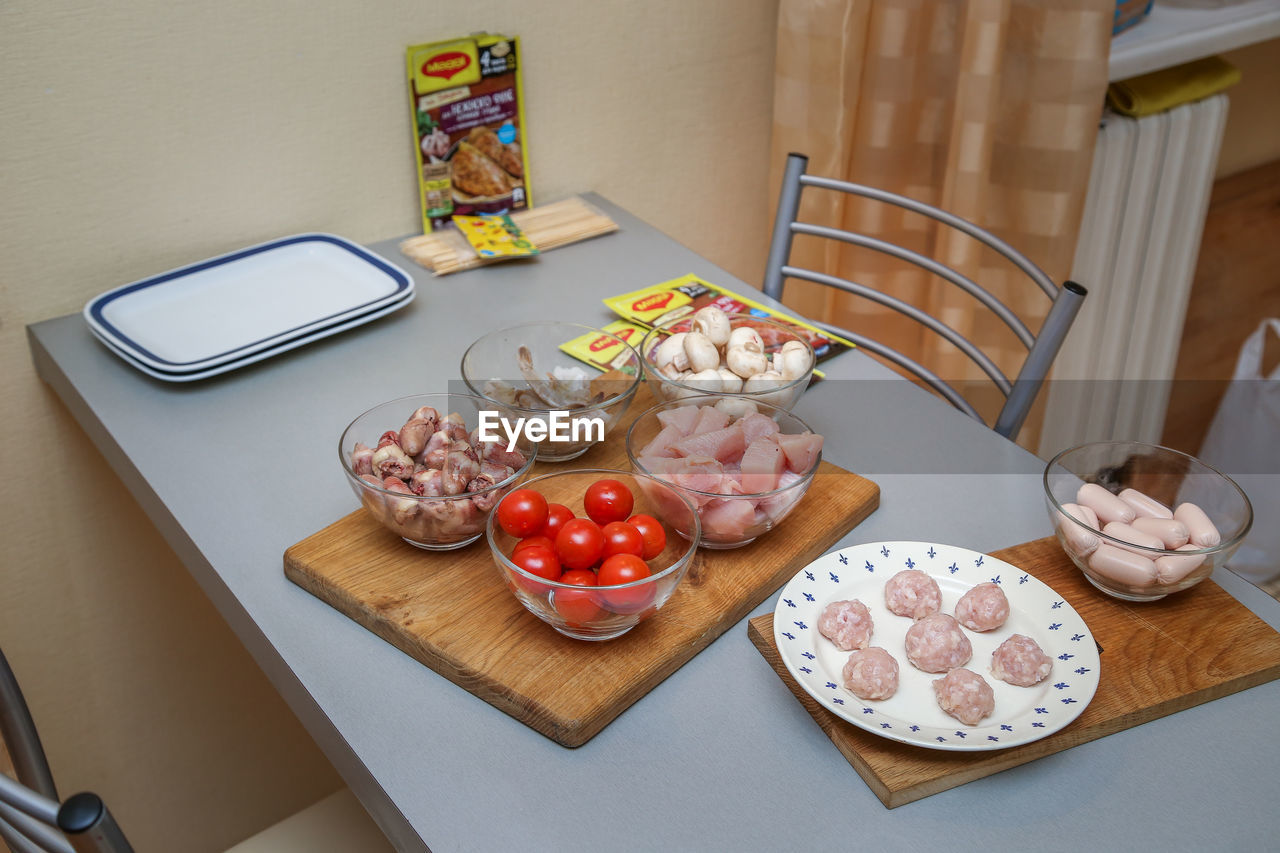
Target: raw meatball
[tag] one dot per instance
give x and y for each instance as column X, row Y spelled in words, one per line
column 847, row 624
column 871, row 674
column 936, row 644
column 912, row 593
column 983, row 608
column 1020, row 661
column 965, row 695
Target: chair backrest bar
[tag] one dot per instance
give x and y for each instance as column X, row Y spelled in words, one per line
column 1042, row 346
column 962, row 343
column 1038, row 275
column 18, row 731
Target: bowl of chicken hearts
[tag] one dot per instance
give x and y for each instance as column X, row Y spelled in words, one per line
column 421, row 466
column 1142, row 521
column 537, row 389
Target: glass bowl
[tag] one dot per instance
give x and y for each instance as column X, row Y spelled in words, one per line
column 735, row 508
column 782, row 393
column 435, row 522
column 586, row 408
column 603, row 612
column 1111, row 558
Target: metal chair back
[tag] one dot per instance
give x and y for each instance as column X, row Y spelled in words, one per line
column 1042, row 346
column 32, row 817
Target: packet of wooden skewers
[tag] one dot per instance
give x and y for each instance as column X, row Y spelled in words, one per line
column 547, row 226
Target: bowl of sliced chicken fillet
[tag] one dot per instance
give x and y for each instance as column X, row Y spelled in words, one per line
column 745, row 465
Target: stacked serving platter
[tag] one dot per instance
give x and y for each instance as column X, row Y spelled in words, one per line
column 227, row 312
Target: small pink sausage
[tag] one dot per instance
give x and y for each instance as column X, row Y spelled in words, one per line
column 1171, row 569
column 1170, row 531
column 1106, row 505
column 1123, row 566
column 1078, row 540
column 1133, row 535
column 1146, row 507
column 1200, row 528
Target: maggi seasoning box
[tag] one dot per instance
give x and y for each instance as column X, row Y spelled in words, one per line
column 468, row 113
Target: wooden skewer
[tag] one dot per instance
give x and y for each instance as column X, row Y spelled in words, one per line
column 547, row 227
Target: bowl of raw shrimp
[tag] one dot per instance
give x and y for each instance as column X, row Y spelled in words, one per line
column 424, row 469
column 562, row 403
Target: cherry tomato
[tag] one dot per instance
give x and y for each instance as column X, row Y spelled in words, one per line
column 579, row 543
column 522, row 513
column 608, row 500
column 577, row 607
column 653, row 533
column 539, row 561
column 625, row 568
column 579, row 577
column 540, row 541
column 621, row 538
column 557, row 515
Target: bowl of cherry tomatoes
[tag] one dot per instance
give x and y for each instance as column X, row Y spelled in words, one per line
column 593, row 552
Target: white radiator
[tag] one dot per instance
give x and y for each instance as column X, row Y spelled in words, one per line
column 1143, row 219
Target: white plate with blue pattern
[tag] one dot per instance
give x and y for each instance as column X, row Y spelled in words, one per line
column 912, row 715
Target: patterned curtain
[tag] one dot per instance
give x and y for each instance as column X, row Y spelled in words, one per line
column 986, row 108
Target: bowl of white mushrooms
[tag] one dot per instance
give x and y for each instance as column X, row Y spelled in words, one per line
column 713, row 352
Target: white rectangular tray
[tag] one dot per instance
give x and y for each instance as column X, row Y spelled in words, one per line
column 225, row 309
column 257, row 355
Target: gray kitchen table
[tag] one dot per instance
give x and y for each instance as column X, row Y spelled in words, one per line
column 720, row 755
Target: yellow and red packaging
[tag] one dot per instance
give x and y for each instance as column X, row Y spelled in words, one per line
column 467, row 103
column 605, row 353
column 679, row 297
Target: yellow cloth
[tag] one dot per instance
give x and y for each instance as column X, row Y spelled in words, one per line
column 1172, row 87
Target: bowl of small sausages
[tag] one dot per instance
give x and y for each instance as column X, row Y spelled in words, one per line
column 426, row 469
column 1143, row 521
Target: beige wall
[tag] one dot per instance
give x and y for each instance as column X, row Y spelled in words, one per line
column 1252, row 136
column 137, row 140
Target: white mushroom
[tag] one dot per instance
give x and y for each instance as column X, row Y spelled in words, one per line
column 792, row 361
column 730, row 382
column 764, row 381
column 675, row 392
column 714, row 323
column 745, row 337
column 745, row 362
column 702, row 354
column 672, row 373
column 737, row 407
column 670, row 353
column 708, row 380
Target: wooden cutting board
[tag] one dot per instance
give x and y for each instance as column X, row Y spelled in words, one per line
column 451, row 610
column 1157, row 658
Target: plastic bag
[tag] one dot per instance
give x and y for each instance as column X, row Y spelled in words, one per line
column 1244, row 442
